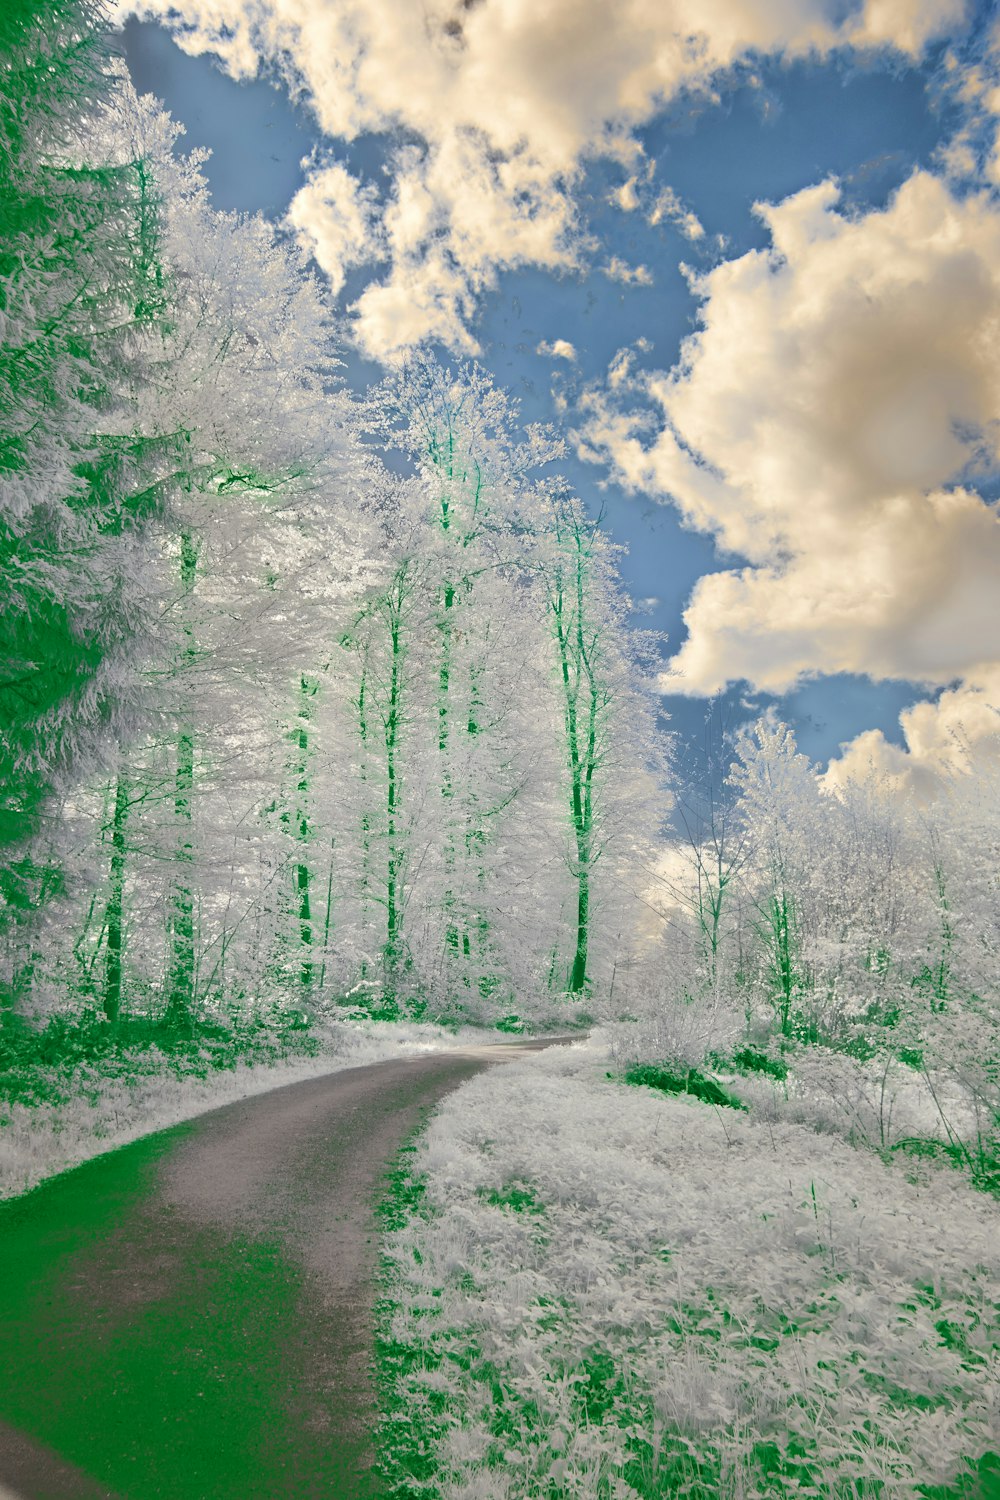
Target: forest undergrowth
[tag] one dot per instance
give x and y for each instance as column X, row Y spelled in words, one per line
column 614, row 1293
column 52, row 1063
column 78, row 1087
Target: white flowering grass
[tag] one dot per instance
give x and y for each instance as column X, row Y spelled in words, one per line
column 597, row 1291
column 39, row 1139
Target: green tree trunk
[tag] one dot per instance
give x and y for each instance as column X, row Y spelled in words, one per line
column 114, row 913
column 180, row 1001
column 580, row 780
column 302, row 870
column 393, row 938
column 586, row 698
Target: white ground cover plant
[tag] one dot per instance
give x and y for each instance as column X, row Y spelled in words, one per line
column 39, row 1139
column 876, row 1102
column 602, row 1291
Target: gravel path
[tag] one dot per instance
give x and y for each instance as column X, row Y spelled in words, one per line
column 211, row 1338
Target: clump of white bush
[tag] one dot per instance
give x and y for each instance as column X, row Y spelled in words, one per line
column 845, row 932
column 614, row 1293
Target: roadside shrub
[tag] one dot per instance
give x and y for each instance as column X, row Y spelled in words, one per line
column 753, row 1060
column 669, row 1081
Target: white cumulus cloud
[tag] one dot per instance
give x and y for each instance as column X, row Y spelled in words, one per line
column 626, row 197
column 957, row 735
column 558, row 349
column 619, row 270
column 668, row 206
column 827, row 424
column 504, row 99
column 335, row 219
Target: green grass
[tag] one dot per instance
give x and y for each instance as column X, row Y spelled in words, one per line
column 978, row 1481
column 979, row 1164
column 407, row 1434
column 753, row 1060
column 445, row 1367
column 519, row 1197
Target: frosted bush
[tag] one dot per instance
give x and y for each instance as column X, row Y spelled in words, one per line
column 684, row 1031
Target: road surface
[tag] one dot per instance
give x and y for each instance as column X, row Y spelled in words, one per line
column 190, row 1317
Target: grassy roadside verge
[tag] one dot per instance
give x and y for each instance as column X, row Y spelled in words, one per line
column 599, row 1292
column 408, row 1435
column 81, row 1087
column 73, row 1055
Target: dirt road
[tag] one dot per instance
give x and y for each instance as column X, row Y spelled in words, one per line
column 190, row 1318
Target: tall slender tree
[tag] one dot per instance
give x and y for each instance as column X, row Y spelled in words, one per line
column 78, row 268
column 597, row 700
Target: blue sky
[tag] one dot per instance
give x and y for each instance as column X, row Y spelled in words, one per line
column 765, row 124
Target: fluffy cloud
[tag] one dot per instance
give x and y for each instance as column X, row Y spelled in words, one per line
column 619, row 270
column 336, row 218
column 627, row 196
column 658, row 206
column 982, row 83
column 558, row 349
column 827, row 424
column 670, row 208
column 505, row 98
column 970, row 78
column 958, row 734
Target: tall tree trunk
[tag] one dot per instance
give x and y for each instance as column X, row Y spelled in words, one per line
column 444, row 684
column 584, row 701
column 393, row 726
column 366, row 817
column 327, row 915
column 578, row 973
column 302, row 871
column 181, row 997
column 113, row 917
column 579, row 811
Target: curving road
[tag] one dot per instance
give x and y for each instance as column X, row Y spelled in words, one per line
column 190, row 1317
